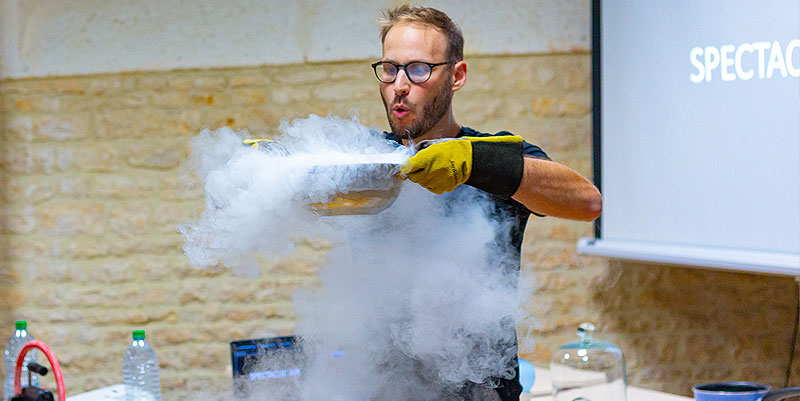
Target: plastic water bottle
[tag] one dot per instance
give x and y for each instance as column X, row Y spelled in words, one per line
column 13, row 346
column 140, row 370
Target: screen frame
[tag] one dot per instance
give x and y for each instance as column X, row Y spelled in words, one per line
column 597, row 161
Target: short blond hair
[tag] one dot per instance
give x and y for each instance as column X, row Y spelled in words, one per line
column 430, row 17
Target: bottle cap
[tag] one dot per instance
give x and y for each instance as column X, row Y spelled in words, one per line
column 138, row 334
column 21, row 325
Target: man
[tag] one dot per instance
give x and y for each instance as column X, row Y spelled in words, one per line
column 421, row 68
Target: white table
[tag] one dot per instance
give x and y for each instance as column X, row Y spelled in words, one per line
column 542, row 390
column 115, row 392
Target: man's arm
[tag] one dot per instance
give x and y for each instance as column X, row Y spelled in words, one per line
column 494, row 164
column 553, row 189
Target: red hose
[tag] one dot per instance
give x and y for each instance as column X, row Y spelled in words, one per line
column 62, row 394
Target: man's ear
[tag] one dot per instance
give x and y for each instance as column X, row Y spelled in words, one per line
column 459, row 75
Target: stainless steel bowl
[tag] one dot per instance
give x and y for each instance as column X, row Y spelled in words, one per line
column 370, row 187
column 375, row 188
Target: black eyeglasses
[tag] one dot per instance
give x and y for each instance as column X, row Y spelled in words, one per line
column 416, row 71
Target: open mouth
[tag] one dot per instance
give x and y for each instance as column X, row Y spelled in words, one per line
column 400, row 111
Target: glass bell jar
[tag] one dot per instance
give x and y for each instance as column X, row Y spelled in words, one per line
column 588, row 369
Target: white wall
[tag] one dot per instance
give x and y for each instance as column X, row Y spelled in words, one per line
column 74, row 37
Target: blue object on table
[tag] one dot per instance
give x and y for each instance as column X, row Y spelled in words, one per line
column 526, row 375
column 741, row 391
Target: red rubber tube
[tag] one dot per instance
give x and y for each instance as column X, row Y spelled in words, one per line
column 62, row 394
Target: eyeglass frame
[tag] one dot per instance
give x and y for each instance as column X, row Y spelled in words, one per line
column 403, row 67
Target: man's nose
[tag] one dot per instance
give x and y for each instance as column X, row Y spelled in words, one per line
column 401, row 83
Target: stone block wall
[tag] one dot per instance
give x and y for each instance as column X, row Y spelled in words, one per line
column 92, row 190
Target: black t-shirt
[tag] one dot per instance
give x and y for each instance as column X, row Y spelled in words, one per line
column 517, row 215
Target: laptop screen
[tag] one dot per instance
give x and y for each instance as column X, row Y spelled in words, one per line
column 268, row 367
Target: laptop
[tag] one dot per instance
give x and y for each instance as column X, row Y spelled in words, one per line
column 267, row 368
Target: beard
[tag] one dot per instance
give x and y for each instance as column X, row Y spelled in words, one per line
column 429, row 112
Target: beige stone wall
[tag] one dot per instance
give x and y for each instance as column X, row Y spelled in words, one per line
column 92, row 192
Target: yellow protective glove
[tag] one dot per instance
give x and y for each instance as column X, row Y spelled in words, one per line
column 491, row 163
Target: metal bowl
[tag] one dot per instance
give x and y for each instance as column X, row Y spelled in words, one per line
column 374, row 189
column 370, row 188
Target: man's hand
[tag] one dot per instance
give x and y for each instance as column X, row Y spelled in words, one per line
column 441, row 165
column 493, row 164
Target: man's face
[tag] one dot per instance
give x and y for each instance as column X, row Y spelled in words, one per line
column 413, row 109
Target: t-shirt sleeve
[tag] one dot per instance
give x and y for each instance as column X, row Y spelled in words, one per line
column 528, row 149
column 533, row 151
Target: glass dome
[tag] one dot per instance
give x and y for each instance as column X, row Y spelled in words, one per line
column 588, row 369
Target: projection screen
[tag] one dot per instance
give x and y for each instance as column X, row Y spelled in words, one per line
column 697, row 133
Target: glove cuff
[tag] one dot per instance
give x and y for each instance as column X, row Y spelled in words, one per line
column 496, row 167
